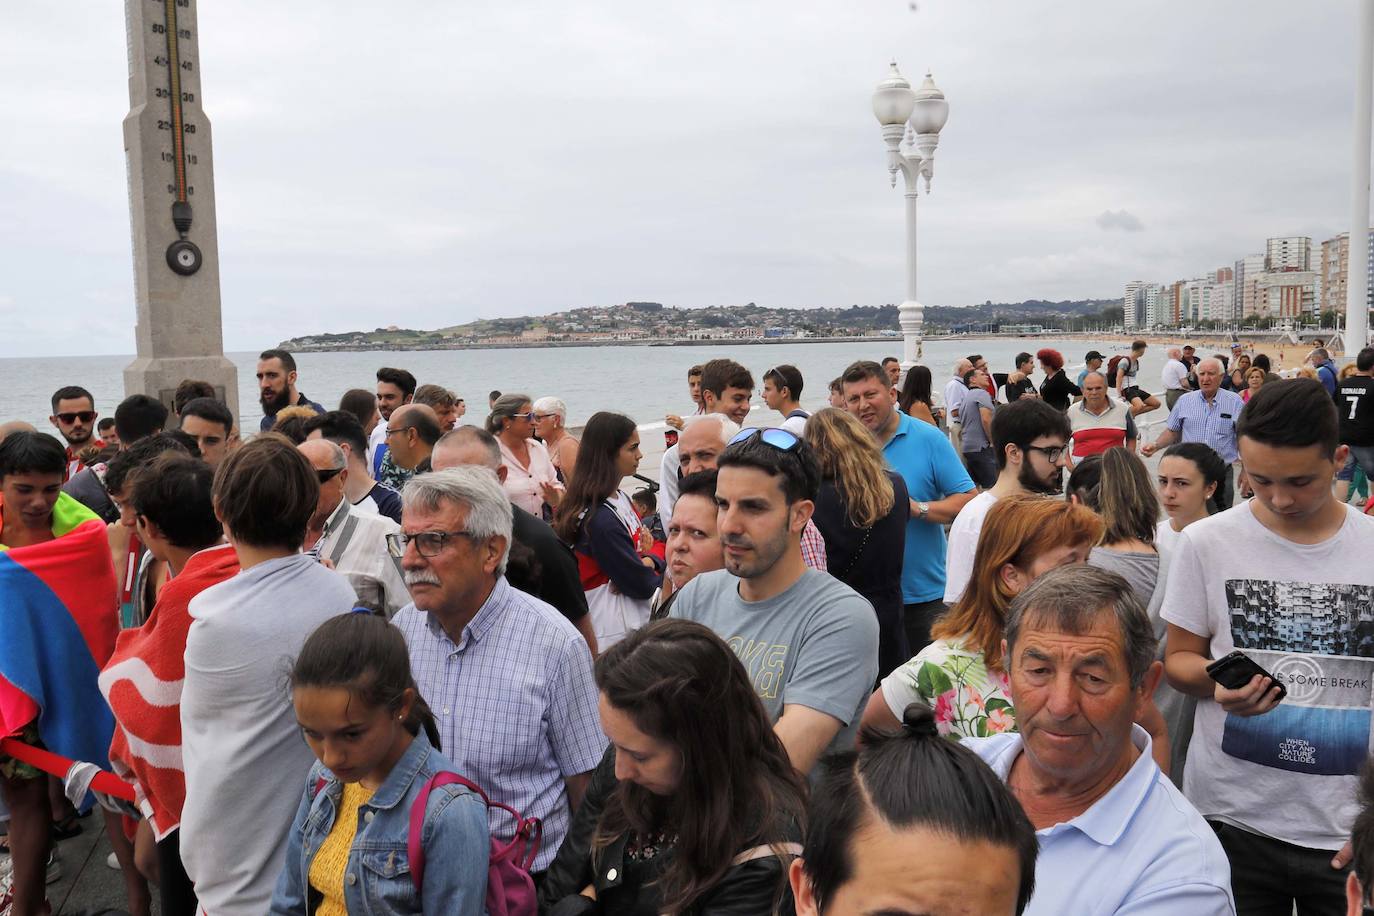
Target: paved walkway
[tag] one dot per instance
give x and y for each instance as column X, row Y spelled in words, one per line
column 88, row 886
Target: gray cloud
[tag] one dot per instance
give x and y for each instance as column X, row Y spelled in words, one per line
column 1124, row 220
column 508, row 158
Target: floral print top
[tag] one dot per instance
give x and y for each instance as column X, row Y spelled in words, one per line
column 970, row 701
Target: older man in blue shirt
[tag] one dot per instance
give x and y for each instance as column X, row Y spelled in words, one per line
column 937, row 483
column 1115, row 835
column 508, row 678
column 1209, row 416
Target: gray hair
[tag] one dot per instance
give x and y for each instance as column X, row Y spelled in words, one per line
column 1071, row 599
column 506, row 406
column 551, row 405
column 472, row 435
column 472, row 488
column 728, row 428
column 1174, row 353
column 1101, row 375
column 337, row 459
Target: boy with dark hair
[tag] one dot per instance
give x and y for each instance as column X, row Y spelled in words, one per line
column 240, row 739
column 809, row 642
column 1019, row 384
column 1279, row 578
column 211, row 424
column 105, row 431
column 57, row 627
column 1126, row 381
column 137, row 416
column 726, row 387
column 782, row 388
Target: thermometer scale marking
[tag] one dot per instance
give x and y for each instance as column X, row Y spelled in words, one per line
column 183, row 257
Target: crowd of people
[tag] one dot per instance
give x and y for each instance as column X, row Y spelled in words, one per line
column 917, row 651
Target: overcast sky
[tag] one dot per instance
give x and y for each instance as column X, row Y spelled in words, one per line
column 457, row 161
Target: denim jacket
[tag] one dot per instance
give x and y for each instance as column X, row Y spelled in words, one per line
column 377, row 880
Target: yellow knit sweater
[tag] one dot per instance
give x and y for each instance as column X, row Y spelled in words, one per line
column 328, row 867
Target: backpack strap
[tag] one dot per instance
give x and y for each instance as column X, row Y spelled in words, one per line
column 415, row 846
column 763, row 852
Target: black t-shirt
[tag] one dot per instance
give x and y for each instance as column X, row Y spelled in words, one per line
column 1014, row 390
column 1355, row 403
column 1058, row 391
column 559, row 582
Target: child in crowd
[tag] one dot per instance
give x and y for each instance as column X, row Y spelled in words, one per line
column 376, row 742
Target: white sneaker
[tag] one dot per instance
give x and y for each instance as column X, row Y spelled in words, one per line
column 112, row 861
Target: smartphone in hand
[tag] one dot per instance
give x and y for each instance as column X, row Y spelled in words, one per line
column 1235, row 670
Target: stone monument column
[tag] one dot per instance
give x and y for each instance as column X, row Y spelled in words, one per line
column 172, row 207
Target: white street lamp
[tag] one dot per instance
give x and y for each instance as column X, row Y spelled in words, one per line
column 916, row 117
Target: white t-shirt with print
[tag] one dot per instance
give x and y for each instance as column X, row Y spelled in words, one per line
column 1304, row 612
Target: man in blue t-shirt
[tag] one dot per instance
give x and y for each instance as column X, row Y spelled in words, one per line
column 936, row 480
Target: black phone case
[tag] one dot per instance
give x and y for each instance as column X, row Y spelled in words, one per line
column 1235, row 670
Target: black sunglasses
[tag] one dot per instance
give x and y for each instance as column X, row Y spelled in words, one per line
column 327, row 475
column 85, row 416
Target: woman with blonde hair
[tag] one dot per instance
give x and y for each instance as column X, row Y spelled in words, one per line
column 1255, row 376
column 961, row 673
column 861, row 511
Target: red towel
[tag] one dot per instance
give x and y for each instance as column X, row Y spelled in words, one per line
column 143, row 682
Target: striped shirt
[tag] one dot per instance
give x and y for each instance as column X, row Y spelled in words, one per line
column 515, row 704
column 1209, row 422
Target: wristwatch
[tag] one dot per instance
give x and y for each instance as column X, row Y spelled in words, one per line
column 924, row 509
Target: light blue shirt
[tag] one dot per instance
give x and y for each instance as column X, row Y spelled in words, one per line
column 1209, row 422
column 1140, row 849
column 932, row 470
column 515, row 704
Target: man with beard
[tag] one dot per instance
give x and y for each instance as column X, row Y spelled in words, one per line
column 73, row 413
column 808, row 641
column 1030, row 438
column 277, row 386
column 1098, row 422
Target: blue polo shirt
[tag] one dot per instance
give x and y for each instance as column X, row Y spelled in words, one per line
column 932, row 470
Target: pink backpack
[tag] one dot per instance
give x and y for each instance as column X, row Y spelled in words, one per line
column 510, row 889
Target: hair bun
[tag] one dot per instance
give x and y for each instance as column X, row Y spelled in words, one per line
column 919, row 719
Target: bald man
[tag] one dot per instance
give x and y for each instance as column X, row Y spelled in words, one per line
column 15, row 426
column 411, row 434
column 351, row 541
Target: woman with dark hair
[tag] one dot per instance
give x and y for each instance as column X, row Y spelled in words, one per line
column 531, row 479
column 915, row 399
column 614, row 550
column 376, row 746
column 1056, row 390
column 910, row 817
column 696, row 808
column 1189, row 473
column 861, row 511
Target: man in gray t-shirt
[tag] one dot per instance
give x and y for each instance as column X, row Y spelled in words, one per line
column 808, row 641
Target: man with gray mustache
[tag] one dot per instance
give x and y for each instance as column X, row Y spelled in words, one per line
column 508, row 678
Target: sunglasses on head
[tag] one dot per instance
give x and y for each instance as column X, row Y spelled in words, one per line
column 780, row 439
column 85, row 416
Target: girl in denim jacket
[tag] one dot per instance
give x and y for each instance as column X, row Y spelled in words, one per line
column 376, row 743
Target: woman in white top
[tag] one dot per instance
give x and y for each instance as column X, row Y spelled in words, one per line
column 531, row 478
column 1189, row 473
column 550, row 419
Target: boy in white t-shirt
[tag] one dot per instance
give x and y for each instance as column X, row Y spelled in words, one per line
column 1286, row 579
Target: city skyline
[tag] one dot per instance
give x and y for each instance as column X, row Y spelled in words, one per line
column 525, row 161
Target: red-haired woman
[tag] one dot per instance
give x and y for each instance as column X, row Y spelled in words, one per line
column 1056, row 391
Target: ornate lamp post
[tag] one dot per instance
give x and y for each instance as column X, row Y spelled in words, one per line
column 916, row 117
